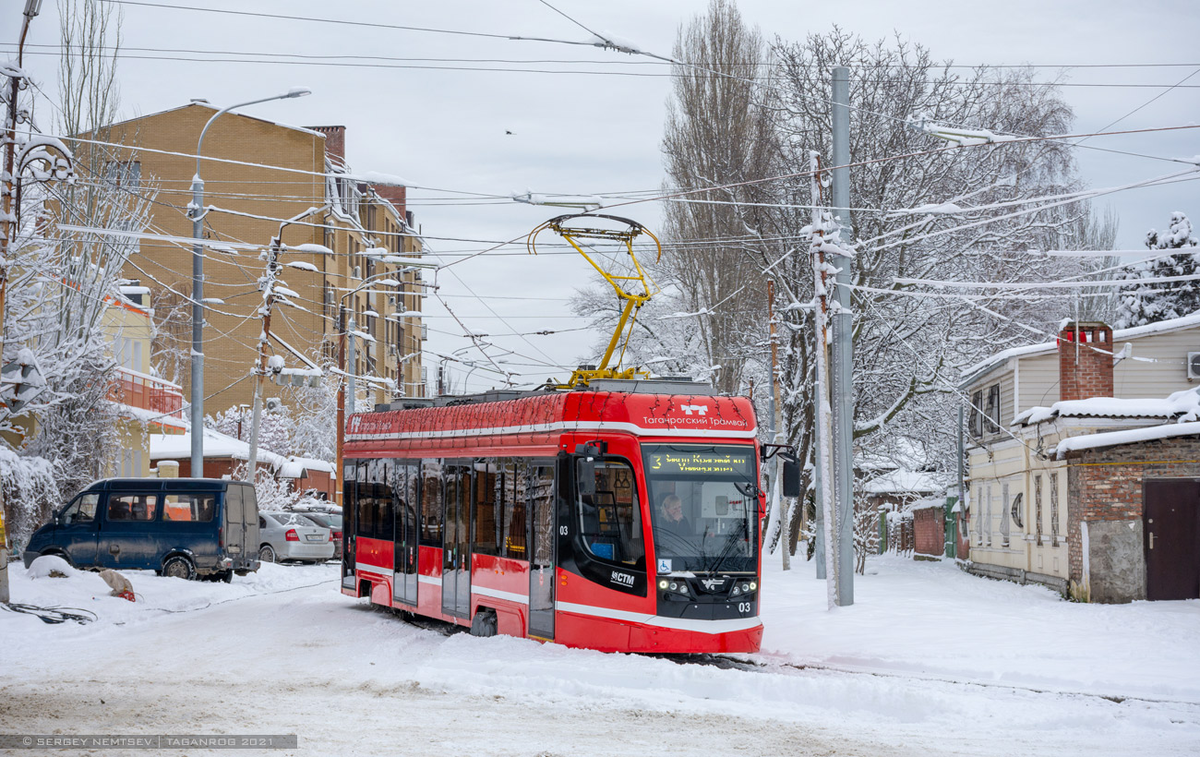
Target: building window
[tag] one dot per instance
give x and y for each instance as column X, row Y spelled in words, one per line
column 975, row 422
column 987, row 516
column 985, row 412
column 1037, row 504
column 993, row 409
column 978, row 516
column 1004, row 521
column 125, row 174
column 1054, row 508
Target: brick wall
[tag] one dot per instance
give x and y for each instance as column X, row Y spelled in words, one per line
column 1106, row 484
column 929, row 531
column 335, row 141
column 1084, row 372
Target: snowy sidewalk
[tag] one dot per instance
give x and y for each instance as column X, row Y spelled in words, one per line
column 932, row 620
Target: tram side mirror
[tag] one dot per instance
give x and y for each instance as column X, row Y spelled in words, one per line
column 791, row 478
column 588, row 454
column 587, row 475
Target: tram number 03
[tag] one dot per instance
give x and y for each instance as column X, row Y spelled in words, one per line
column 562, row 530
column 744, row 608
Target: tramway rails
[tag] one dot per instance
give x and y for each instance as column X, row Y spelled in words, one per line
column 548, row 515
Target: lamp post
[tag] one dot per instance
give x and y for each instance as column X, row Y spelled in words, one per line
column 197, row 215
column 379, row 278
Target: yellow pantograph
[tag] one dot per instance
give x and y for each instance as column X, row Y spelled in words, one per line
column 634, row 289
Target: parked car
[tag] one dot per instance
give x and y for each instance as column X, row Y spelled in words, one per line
column 333, row 522
column 292, row 536
column 180, row 527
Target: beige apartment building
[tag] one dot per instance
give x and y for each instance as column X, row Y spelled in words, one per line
column 340, row 231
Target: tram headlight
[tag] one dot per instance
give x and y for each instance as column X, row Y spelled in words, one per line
column 677, row 588
column 747, row 587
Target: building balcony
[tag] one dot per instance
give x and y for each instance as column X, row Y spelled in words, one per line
column 149, row 393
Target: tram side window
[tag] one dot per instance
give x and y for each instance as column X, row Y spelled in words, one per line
column 542, row 481
column 382, row 472
column 514, row 512
column 364, row 501
column 488, row 478
column 610, row 519
column 350, row 496
column 405, row 486
column 431, row 502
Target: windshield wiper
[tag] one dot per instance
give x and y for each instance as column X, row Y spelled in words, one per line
column 730, row 543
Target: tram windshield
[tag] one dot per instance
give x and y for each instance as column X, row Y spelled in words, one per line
column 704, row 507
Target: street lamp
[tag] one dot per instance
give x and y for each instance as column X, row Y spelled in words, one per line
column 197, row 214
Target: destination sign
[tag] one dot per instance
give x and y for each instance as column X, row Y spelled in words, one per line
column 665, row 460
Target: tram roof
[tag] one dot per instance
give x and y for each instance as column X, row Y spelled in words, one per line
column 536, row 419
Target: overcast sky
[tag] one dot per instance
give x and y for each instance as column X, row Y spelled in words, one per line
column 594, row 124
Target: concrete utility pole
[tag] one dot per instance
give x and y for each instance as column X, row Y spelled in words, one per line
column 775, row 430
column 843, row 349
column 351, row 357
column 824, row 434
column 260, row 369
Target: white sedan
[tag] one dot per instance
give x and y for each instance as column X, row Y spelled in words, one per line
column 291, row 536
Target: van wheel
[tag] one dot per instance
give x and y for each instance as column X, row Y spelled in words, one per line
column 484, row 623
column 178, row 566
column 225, row 576
column 266, row 553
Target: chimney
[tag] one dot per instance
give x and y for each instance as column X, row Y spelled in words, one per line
column 397, row 196
column 1085, row 361
column 335, row 142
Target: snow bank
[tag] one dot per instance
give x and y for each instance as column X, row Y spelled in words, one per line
column 49, row 566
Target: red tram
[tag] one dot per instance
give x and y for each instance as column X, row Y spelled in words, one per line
column 622, row 517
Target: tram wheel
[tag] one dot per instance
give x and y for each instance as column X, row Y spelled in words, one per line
column 484, row 623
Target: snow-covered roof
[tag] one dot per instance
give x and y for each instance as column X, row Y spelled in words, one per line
column 928, row 504
column 216, row 444
column 295, row 467
column 1126, row 436
column 985, row 366
column 904, row 482
column 1182, row 406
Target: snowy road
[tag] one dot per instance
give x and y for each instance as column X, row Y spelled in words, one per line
column 915, row 672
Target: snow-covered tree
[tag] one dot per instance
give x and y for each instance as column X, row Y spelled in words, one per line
column 275, row 427
column 61, row 282
column 314, row 419
column 1148, row 302
column 920, row 212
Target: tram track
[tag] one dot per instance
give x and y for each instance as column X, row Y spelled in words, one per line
column 782, row 667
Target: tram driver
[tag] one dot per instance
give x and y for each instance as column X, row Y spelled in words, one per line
column 673, row 520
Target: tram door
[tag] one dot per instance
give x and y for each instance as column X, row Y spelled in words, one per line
column 456, row 543
column 542, row 540
column 404, row 581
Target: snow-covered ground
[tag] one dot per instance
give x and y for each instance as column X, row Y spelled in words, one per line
column 928, row 661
